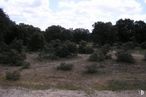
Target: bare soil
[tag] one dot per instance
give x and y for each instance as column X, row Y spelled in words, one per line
column 19, row 92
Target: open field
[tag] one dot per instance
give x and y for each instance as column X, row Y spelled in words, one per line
column 111, row 75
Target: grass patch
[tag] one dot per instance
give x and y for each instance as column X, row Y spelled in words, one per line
column 68, row 87
column 12, row 76
column 65, row 67
column 26, row 65
column 126, row 85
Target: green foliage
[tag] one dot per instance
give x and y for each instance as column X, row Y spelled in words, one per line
column 62, row 51
column 126, row 85
column 36, row 42
column 12, row 58
column 57, row 49
column 81, row 34
column 25, row 65
column 129, row 45
column 84, row 48
column 144, row 57
column 104, row 33
column 143, row 45
column 97, row 56
column 71, row 46
column 101, row 54
column 25, row 33
column 17, row 45
column 43, row 55
column 57, row 32
column 105, row 49
column 13, row 76
column 124, row 56
column 118, row 85
column 91, row 69
column 65, row 67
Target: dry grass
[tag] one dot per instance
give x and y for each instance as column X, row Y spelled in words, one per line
column 43, row 74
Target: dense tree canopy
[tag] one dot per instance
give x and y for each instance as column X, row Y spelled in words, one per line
column 80, row 34
column 125, row 30
column 104, row 33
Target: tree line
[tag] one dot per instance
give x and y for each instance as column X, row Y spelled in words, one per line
column 125, row 30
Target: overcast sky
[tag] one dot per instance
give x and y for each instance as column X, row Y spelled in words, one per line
column 72, row 13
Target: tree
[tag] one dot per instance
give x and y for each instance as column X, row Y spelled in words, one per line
column 104, row 33
column 57, row 32
column 125, row 30
column 25, row 32
column 6, row 28
column 80, row 34
column 17, row 45
column 140, row 31
column 36, row 42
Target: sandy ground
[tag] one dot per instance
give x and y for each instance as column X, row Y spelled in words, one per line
column 66, row 93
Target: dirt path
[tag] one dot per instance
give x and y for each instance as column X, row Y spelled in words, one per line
column 65, row 93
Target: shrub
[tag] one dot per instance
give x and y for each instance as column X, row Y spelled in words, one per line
column 51, row 56
column 72, row 47
column 25, row 65
column 84, row 48
column 91, row 68
column 48, row 52
column 13, row 76
column 143, row 45
column 36, row 42
column 129, row 45
column 97, row 56
column 3, row 47
column 62, row 51
column 17, row 45
column 105, row 49
column 124, row 56
column 65, row 67
column 57, row 49
column 89, row 50
column 116, row 45
column 118, row 85
column 144, row 57
column 12, row 58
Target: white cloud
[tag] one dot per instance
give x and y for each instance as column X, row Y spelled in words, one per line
column 71, row 13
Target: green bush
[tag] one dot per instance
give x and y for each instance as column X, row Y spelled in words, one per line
column 12, row 58
column 25, row 65
column 97, row 56
column 144, row 57
column 48, row 52
column 57, row 49
column 13, row 76
column 84, row 48
column 143, row 45
column 91, row 69
column 71, row 46
column 105, row 49
column 36, row 42
column 17, row 45
column 129, row 45
column 124, row 56
column 118, row 85
column 3, row 47
column 65, row 67
column 62, row 51
column 43, row 55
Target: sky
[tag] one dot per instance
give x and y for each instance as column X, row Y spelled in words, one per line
column 72, row 13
